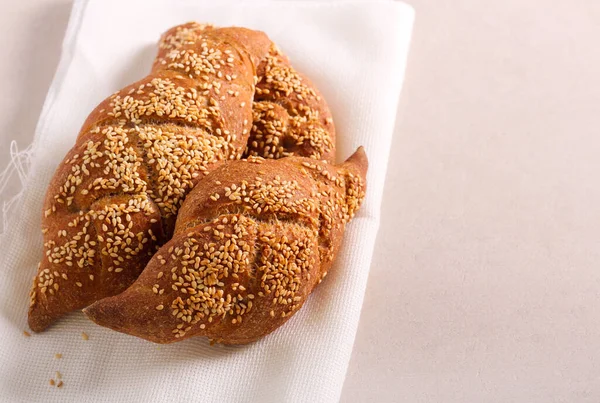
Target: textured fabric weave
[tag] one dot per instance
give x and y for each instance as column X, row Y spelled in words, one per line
column 355, row 52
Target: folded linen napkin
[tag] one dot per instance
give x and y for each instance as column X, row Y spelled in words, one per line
column 355, row 52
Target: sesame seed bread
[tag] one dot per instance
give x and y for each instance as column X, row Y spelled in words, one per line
column 290, row 115
column 114, row 198
column 252, row 240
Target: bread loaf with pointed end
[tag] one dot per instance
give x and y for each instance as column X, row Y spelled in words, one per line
column 252, row 241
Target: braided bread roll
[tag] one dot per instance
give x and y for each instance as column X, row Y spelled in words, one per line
column 251, row 242
column 290, row 117
column 114, row 198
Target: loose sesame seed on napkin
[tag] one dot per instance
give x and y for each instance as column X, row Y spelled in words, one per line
column 355, row 52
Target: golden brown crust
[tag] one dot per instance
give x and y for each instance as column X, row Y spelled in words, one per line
column 251, row 242
column 290, row 117
column 114, row 198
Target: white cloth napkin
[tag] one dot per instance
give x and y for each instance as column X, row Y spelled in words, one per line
column 355, row 51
